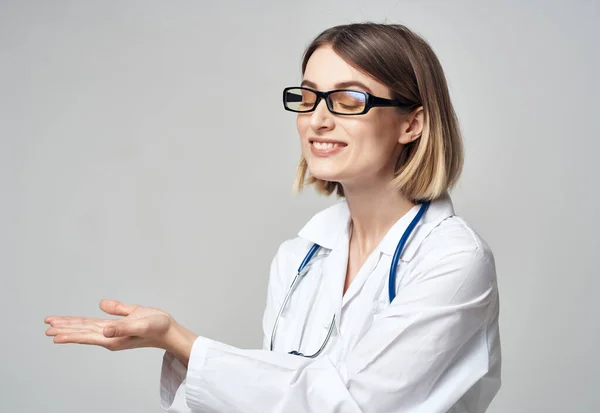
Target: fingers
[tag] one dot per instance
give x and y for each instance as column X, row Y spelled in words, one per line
column 76, row 327
column 115, row 307
column 55, row 331
column 93, row 338
column 55, row 320
column 81, row 337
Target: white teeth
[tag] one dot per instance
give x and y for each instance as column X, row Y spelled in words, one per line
column 325, row 145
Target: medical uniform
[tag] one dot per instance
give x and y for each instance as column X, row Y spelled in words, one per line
column 434, row 349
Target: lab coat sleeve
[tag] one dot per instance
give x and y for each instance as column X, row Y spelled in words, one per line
column 421, row 354
column 172, row 385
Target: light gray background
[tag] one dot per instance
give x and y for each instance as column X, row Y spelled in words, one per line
column 145, row 156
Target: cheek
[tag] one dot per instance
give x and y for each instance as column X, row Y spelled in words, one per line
column 373, row 135
column 301, row 124
column 375, row 142
column 386, row 130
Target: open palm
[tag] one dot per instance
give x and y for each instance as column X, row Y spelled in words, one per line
column 140, row 327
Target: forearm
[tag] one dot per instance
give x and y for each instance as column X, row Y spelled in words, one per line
column 179, row 342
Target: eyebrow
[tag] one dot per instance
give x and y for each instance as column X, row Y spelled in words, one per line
column 340, row 85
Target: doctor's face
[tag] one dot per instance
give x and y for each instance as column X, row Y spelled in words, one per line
column 355, row 150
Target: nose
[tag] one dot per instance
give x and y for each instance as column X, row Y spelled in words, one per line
column 321, row 118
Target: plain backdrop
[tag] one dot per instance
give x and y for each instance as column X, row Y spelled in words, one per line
column 145, row 156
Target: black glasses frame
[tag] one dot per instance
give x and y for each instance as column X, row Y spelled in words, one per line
column 370, row 101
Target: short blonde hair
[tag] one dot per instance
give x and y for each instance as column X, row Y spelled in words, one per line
column 404, row 62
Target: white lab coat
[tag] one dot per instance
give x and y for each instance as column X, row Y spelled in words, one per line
column 435, row 349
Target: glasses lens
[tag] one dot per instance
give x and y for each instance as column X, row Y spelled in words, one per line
column 348, row 102
column 300, row 100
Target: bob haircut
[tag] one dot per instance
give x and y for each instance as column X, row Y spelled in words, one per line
column 395, row 56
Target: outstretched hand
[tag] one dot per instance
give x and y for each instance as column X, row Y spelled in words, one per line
column 139, row 327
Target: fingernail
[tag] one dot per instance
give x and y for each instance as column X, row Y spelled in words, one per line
column 110, row 332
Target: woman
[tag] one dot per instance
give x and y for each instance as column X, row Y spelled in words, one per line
column 395, row 305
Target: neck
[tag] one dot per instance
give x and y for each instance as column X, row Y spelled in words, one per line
column 373, row 210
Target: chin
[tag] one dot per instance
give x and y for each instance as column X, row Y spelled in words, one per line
column 333, row 169
column 325, row 173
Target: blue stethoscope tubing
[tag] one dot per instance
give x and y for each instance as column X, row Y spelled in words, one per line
column 399, row 248
column 391, row 279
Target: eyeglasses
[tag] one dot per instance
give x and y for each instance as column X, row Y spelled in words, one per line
column 339, row 101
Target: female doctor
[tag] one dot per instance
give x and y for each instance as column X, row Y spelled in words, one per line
column 384, row 302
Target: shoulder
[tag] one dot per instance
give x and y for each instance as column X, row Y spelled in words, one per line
column 293, row 250
column 455, row 249
column 454, row 234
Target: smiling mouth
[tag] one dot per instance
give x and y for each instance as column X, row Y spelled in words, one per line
column 324, row 145
column 323, row 149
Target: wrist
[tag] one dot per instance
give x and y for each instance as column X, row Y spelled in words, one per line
column 179, row 341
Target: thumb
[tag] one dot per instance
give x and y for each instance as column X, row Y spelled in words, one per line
column 126, row 329
column 115, row 307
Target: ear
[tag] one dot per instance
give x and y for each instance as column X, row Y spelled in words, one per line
column 412, row 128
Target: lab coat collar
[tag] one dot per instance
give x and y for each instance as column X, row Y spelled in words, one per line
column 438, row 210
column 328, row 227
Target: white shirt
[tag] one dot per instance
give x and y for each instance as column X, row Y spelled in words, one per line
column 435, row 349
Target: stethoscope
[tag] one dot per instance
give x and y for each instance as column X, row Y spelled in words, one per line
column 303, row 269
